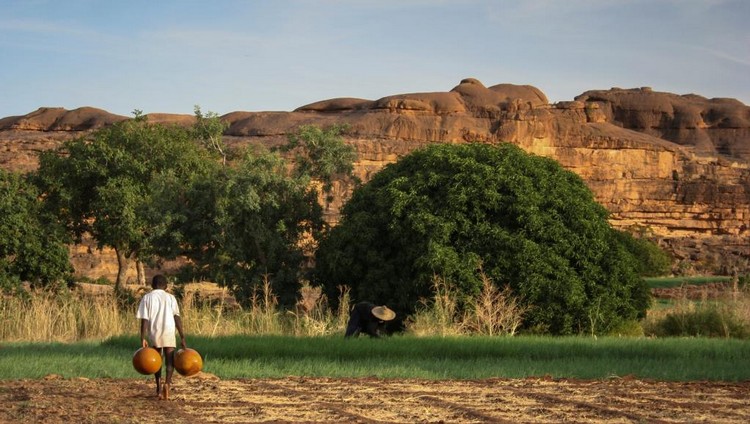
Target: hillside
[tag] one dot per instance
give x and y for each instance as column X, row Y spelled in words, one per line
column 677, row 166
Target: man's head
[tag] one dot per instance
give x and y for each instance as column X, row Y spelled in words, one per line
column 159, row 282
column 383, row 313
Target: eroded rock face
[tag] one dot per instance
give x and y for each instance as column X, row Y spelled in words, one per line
column 676, row 167
column 709, row 125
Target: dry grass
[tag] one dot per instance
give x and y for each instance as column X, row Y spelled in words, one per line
column 313, row 317
column 725, row 315
column 494, row 312
column 45, row 316
column 438, row 316
column 71, row 316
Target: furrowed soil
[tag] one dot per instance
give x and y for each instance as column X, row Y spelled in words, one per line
column 205, row 398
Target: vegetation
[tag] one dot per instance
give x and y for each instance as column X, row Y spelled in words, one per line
column 667, row 282
column 321, row 153
column 726, row 315
column 253, row 222
column 32, row 246
column 457, row 211
column 402, row 357
column 244, row 225
column 67, row 317
column 651, row 260
column 107, row 185
column 154, row 192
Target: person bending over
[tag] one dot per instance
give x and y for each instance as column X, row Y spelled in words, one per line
column 367, row 318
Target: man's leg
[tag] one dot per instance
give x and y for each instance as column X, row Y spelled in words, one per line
column 353, row 326
column 157, row 375
column 169, row 358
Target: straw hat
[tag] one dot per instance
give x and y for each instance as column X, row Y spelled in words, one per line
column 383, row 313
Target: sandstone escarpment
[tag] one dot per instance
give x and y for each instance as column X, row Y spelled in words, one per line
column 674, row 167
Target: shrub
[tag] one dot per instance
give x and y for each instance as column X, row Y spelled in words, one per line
column 447, row 209
column 726, row 317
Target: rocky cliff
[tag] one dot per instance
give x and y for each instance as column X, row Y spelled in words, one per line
column 675, row 167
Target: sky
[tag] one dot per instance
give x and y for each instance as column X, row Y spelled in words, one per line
column 276, row 55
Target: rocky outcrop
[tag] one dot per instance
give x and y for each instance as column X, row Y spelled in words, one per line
column 674, row 167
column 714, row 126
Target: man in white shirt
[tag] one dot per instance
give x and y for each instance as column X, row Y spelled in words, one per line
column 160, row 317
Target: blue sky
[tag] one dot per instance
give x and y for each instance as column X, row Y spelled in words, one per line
column 233, row 55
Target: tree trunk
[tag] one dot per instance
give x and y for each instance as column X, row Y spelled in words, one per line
column 141, row 273
column 122, row 269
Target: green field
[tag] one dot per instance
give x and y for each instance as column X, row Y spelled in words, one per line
column 671, row 359
column 668, row 282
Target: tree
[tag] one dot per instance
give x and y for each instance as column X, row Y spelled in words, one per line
column 104, row 184
column 651, row 260
column 322, row 155
column 248, row 222
column 32, row 243
column 209, row 129
column 451, row 210
column 253, row 220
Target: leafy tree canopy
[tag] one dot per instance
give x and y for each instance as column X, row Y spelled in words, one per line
column 451, row 210
column 32, row 244
column 104, row 184
column 321, row 154
column 248, row 223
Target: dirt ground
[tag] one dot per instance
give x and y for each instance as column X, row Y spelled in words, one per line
column 207, row 399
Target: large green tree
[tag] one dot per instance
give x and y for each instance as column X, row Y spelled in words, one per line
column 106, row 184
column 257, row 217
column 247, row 223
column 32, row 243
column 451, row 210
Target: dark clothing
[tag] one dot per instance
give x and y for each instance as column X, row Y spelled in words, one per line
column 361, row 320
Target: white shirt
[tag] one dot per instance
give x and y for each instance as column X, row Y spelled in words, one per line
column 159, row 308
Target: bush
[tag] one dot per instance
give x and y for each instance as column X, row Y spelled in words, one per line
column 651, row 260
column 726, row 317
column 704, row 322
column 451, row 210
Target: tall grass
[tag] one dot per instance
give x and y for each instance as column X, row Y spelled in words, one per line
column 727, row 316
column 45, row 316
column 70, row 317
column 493, row 312
column 676, row 359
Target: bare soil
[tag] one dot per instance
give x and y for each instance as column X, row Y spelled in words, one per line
column 207, row 399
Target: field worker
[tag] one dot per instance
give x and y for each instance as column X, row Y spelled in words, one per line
column 160, row 317
column 367, row 318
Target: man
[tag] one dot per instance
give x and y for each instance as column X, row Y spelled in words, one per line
column 160, row 317
column 367, row 318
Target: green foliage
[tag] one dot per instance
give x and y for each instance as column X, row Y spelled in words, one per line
column 106, row 184
column 209, row 129
column 32, row 243
column 698, row 280
column 321, row 154
column 651, row 260
column 245, row 224
column 448, row 210
column 703, row 319
column 402, row 357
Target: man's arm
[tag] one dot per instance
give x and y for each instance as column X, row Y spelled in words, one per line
column 178, row 325
column 144, row 332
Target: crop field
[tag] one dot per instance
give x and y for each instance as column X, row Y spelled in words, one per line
column 207, row 398
column 400, row 379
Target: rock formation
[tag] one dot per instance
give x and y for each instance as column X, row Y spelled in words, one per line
column 675, row 167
